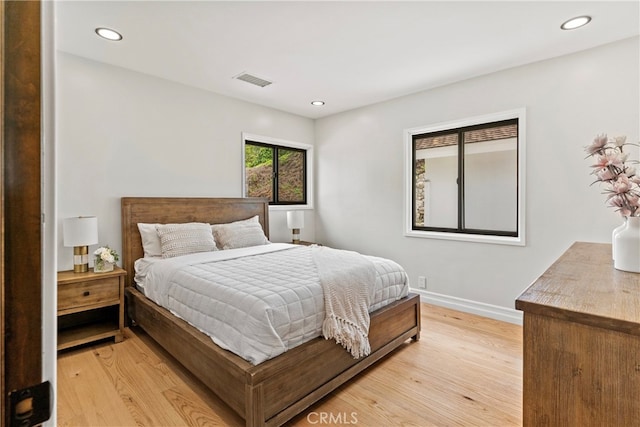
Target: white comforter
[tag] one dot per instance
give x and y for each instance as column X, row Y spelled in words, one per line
column 257, row 302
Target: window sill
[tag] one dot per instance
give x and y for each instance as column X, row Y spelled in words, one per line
column 477, row 238
column 308, row 206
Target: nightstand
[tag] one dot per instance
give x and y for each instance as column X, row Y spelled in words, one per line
column 305, row 243
column 90, row 307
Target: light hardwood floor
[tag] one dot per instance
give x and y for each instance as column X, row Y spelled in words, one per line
column 466, row 370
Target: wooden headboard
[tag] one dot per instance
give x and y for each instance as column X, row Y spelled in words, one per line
column 172, row 210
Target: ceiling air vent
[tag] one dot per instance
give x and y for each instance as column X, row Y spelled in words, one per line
column 246, row 77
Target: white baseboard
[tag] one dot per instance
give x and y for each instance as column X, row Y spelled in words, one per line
column 491, row 311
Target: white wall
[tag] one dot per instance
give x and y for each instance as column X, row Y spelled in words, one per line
column 122, row 133
column 569, row 100
column 49, row 237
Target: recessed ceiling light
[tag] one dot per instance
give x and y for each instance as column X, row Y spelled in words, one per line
column 577, row 22
column 317, row 102
column 109, row 34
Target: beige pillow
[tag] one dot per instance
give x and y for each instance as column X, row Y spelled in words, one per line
column 184, row 239
column 150, row 239
column 239, row 234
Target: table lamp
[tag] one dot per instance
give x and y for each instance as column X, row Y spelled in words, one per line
column 80, row 232
column 295, row 221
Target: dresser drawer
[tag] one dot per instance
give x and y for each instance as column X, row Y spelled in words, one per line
column 96, row 292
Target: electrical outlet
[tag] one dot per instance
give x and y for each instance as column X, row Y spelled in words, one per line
column 422, row 282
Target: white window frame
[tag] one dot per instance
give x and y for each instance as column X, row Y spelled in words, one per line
column 283, row 143
column 518, row 240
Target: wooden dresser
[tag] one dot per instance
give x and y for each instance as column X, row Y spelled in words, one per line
column 582, row 342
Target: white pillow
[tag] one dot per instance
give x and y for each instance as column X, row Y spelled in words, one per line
column 184, row 239
column 239, row 234
column 150, row 240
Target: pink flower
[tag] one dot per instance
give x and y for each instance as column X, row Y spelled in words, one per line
column 611, row 159
column 618, row 201
column 597, row 145
column 620, row 140
column 605, row 175
column 622, row 184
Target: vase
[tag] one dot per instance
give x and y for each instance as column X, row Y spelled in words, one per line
column 613, row 237
column 101, row 266
column 627, row 246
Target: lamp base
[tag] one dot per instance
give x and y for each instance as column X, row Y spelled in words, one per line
column 296, row 236
column 80, row 259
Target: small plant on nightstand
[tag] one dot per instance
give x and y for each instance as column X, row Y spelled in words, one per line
column 105, row 259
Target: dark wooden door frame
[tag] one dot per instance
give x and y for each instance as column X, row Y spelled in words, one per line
column 20, row 250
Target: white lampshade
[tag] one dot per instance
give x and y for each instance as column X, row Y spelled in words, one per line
column 295, row 219
column 80, row 231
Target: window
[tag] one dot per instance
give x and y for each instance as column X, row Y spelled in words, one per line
column 465, row 179
column 277, row 170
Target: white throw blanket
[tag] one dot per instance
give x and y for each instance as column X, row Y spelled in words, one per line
column 347, row 279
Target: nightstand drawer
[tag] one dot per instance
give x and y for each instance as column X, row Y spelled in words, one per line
column 96, row 292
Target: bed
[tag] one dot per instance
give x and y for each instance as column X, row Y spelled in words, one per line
column 276, row 390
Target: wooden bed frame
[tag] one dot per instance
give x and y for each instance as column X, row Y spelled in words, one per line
column 273, row 392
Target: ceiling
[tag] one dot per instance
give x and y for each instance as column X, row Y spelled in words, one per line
column 348, row 54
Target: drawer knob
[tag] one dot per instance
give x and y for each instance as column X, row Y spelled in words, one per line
column 86, row 293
